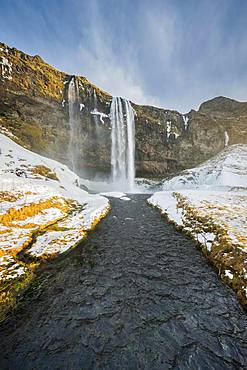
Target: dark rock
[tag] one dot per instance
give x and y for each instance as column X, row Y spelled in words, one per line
column 34, row 107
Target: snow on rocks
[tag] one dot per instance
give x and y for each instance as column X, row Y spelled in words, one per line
column 186, row 121
column 168, row 129
column 5, row 131
column 10, row 269
column 55, row 242
column 210, row 204
column 229, row 274
column 43, row 212
column 6, row 68
column 100, row 114
column 116, row 194
column 224, row 171
column 217, row 222
column 171, row 130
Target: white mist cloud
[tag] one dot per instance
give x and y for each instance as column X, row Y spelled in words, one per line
column 111, row 64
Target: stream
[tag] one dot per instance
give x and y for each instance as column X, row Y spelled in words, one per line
column 137, row 294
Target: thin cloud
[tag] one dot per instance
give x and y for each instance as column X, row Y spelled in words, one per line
column 113, row 68
column 173, row 54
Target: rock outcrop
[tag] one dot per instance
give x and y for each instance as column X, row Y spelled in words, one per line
column 231, row 114
column 34, row 107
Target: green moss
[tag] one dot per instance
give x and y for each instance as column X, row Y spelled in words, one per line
column 10, row 292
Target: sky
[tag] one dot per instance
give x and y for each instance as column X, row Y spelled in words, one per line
column 168, row 53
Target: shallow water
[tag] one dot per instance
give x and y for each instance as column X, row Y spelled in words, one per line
column 137, row 294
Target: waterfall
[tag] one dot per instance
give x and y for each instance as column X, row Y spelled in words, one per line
column 95, row 104
column 123, row 144
column 226, row 137
column 96, row 117
column 73, row 122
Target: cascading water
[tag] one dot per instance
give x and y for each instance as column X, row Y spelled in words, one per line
column 73, row 122
column 95, row 104
column 96, row 117
column 123, row 144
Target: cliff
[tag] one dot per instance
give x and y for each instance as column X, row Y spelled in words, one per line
column 34, row 108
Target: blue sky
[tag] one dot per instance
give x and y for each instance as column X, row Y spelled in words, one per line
column 170, row 53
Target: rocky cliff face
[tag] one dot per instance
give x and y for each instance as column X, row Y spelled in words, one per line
column 231, row 114
column 34, row 107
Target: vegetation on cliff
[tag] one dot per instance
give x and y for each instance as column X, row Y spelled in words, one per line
column 34, row 108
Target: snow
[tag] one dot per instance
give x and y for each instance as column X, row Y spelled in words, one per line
column 43, row 217
column 229, row 274
column 81, row 106
column 63, row 103
column 37, row 201
column 14, row 239
column 100, row 114
column 210, row 203
column 171, row 130
column 226, row 210
column 116, row 194
column 186, row 121
column 6, row 68
column 5, row 131
column 55, row 242
column 224, row 171
column 10, row 269
column 168, row 128
column 14, row 156
column 167, row 204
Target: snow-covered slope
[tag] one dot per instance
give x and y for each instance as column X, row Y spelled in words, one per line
column 17, row 162
column 226, row 170
column 43, row 212
column 209, row 203
column 25, row 170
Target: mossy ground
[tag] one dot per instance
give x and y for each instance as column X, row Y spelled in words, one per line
column 225, row 254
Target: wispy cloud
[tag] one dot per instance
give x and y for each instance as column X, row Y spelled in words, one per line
column 111, row 62
column 169, row 53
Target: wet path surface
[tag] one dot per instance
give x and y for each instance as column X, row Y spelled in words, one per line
column 136, row 295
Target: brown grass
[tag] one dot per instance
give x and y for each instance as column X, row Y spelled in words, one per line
column 45, row 172
column 30, row 210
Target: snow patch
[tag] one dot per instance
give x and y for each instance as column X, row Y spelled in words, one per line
column 100, row 114
column 224, row 171
column 35, row 190
column 229, row 274
column 186, row 121
column 6, row 68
